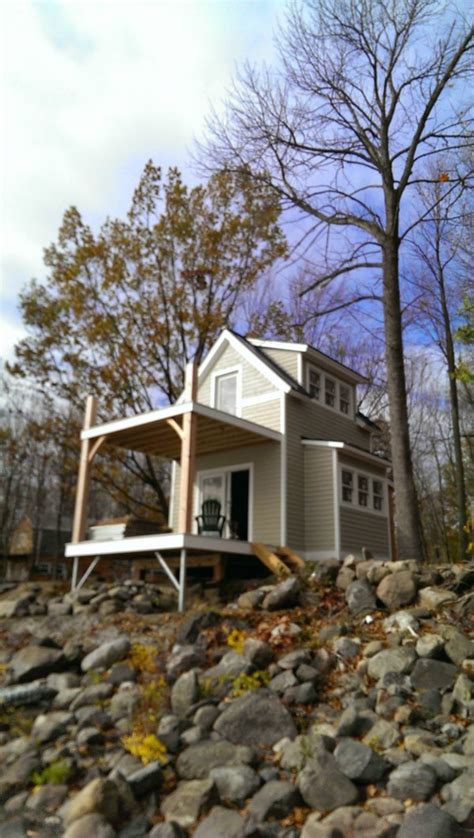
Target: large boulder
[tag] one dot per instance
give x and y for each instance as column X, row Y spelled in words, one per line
column 433, row 674
column 106, row 654
column 359, row 762
column 397, row 589
column 220, row 823
column 275, row 799
column 323, row 786
column 185, row 693
column 257, row 718
column 284, row 595
column 189, row 801
column 198, row 760
column 412, row 780
column 360, row 596
column 400, row 659
column 100, row 796
column 428, row 821
column 36, row 662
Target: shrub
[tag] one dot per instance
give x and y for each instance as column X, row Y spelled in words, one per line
column 236, row 640
column 54, row 774
column 147, row 747
column 245, row 683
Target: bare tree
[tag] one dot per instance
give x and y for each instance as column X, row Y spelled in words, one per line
column 364, row 93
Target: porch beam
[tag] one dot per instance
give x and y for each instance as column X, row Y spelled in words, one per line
column 188, row 452
column 84, row 476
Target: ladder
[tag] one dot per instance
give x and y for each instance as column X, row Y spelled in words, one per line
column 282, row 561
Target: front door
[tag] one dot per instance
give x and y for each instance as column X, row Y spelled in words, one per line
column 232, row 489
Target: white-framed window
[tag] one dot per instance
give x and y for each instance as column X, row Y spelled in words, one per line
column 331, row 393
column 314, row 383
column 347, row 485
column 362, row 491
column 226, row 391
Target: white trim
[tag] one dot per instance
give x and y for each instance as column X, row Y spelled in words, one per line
column 283, row 473
column 349, row 449
column 299, row 369
column 161, row 541
column 337, row 511
column 277, row 344
column 354, row 504
column 271, row 396
column 208, row 472
column 144, row 419
column 172, row 491
column 229, row 371
column 246, row 353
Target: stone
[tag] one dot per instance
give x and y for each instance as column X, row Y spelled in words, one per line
column 184, row 659
column 429, row 646
column 433, row 674
column 192, row 735
column 434, row 598
column 146, row 779
column 313, row 828
column 275, row 799
column 195, row 762
column 206, row 716
column 382, row 735
column 189, row 631
column 169, row 732
column 15, row 607
column 428, row 821
column 360, row 597
column 35, row 662
column 259, row 653
column 400, row 659
column 190, row 800
column 306, row 673
column 235, row 783
column 461, row 788
column 284, row 595
column 121, row 672
column 51, row 725
column 167, row 830
column 300, row 694
column 251, row 599
column 295, row 755
column 88, row 737
column 359, row 762
column 412, row 780
column 88, row 826
column 47, row 798
column 463, row 692
column 92, row 695
column 185, row 693
column 231, row 665
column 458, row 647
column 354, row 722
column 21, row 695
column 100, row 797
column 323, row 786
column 257, row 718
column 105, row 655
column 294, row 659
column 397, row 589
column 124, row 702
column 220, row 823
column 282, row 681
column 346, row 647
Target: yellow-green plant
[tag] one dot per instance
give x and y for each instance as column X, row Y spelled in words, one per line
column 147, row 747
column 143, row 658
column 56, row 773
column 245, row 683
column 236, row 640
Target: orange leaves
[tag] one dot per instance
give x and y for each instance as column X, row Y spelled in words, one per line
column 443, row 177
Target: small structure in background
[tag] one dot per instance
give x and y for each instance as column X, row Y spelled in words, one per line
column 37, row 552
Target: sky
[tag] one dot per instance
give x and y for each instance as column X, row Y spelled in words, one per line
column 89, row 91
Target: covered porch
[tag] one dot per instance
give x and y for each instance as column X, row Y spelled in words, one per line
column 181, row 433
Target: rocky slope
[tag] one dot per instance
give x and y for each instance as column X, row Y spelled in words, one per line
column 337, row 705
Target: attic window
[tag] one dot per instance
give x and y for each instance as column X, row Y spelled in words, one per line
column 226, row 393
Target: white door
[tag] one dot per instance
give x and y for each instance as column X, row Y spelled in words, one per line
column 214, row 486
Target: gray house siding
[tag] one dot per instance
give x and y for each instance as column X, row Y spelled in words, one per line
column 362, row 529
column 319, row 499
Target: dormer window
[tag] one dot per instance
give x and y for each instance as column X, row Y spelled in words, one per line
column 329, row 392
column 314, row 383
column 344, row 399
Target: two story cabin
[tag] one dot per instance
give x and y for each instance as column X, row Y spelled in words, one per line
column 319, row 490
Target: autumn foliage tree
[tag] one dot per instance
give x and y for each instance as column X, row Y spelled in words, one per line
column 122, row 311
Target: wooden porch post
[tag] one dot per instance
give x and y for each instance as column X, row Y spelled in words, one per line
column 84, row 476
column 188, row 453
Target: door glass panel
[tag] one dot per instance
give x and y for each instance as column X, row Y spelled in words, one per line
column 212, row 488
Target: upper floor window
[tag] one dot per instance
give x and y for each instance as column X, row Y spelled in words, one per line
column 225, row 394
column 314, row 383
column 329, row 391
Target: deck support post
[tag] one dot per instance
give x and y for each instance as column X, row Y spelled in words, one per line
column 188, row 453
column 84, row 476
column 182, row 580
column 75, row 569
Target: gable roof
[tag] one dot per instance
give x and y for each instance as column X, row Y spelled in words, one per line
column 314, row 355
column 270, row 363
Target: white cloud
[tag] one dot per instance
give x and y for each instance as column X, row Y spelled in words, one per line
column 90, row 91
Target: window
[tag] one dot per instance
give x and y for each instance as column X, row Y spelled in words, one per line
column 344, row 399
column 226, row 393
column 330, row 392
column 377, row 496
column 347, row 486
column 314, row 385
column 363, row 487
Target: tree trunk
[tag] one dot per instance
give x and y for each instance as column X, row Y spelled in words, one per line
column 455, row 421
column 408, row 526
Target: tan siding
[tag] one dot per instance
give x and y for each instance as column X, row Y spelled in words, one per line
column 308, row 419
column 318, row 499
column 362, row 529
column 266, row 414
column 362, row 465
column 253, row 382
column 285, row 358
column 266, row 487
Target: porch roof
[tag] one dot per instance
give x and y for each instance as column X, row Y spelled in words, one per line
column 158, row 432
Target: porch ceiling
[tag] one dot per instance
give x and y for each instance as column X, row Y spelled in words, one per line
column 153, row 433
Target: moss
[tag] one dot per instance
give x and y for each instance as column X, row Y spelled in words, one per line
column 54, row 774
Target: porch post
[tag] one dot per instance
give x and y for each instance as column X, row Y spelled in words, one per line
column 84, row 476
column 188, row 453
column 182, row 580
